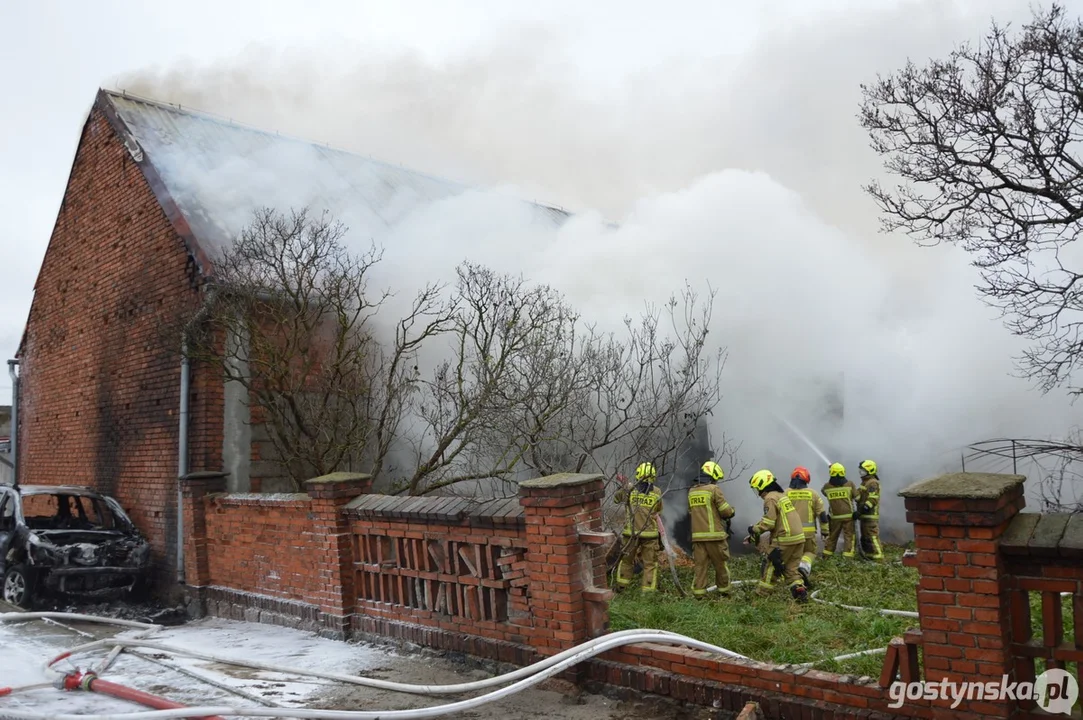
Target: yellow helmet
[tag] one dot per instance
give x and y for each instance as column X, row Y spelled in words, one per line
column 868, row 467
column 646, row 471
column 713, row 469
column 761, row 480
column 837, row 470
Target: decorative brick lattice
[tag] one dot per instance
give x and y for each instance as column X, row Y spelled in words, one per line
column 449, row 558
column 465, row 579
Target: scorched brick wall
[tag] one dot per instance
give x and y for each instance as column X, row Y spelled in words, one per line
column 100, row 382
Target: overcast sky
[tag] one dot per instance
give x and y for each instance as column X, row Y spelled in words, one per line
column 54, row 56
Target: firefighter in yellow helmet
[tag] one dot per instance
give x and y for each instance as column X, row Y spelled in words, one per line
column 643, row 503
column 868, row 505
column 711, row 516
column 840, row 494
column 811, row 507
column 781, row 520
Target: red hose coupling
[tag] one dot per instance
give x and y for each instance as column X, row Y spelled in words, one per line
column 78, row 681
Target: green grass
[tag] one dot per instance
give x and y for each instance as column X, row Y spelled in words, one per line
column 1068, row 622
column 776, row 629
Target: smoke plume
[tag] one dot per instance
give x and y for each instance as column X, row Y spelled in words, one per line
column 743, row 173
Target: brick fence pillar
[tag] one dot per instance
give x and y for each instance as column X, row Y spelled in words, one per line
column 963, row 602
column 195, row 487
column 560, row 567
column 334, row 592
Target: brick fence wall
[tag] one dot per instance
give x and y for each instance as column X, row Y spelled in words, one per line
column 516, row 580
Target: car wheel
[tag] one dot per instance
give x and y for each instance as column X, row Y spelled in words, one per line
column 18, row 587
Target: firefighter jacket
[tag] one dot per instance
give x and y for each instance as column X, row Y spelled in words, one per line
column 840, row 500
column 708, row 507
column 809, row 505
column 644, row 502
column 869, row 494
column 780, row 518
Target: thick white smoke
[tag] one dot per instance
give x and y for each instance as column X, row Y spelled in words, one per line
column 746, row 175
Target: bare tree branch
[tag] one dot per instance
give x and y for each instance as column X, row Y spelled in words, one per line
column 987, row 144
column 525, row 386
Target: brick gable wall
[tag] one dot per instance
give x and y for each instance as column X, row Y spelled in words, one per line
column 100, row 383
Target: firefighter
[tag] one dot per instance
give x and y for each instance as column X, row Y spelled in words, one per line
column 810, row 506
column 711, row 517
column 644, row 502
column 781, row 520
column 840, row 494
column 868, row 505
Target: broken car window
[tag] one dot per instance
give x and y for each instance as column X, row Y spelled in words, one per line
column 40, row 511
column 68, row 512
column 94, row 513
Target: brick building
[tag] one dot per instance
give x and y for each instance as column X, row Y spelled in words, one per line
column 154, row 191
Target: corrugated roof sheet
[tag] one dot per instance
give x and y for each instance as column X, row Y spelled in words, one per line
column 218, row 173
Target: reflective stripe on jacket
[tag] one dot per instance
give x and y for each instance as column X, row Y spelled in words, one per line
column 809, row 505
column 869, row 492
column 780, row 518
column 840, row 498
column 642, row 507
column 707, row 507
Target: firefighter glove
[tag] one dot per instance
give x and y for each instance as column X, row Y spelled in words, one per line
column 857, row 514
column 824, row 518
column 866, row 509
column 728, row 523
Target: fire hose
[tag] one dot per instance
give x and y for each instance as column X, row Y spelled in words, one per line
column 858, row 608
column 350, row 679
column 92, row 683
column 529, row 676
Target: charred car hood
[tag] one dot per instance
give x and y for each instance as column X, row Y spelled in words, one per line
column 90, row 548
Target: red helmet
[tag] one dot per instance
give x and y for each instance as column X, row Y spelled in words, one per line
column 802, row 473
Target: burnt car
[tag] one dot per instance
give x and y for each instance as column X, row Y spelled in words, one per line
column 70, row 541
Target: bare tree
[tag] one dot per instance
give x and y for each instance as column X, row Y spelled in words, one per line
column 586, row 401
column 523, row 385
column 987, row 144
column 290, row 320
column 501, row 331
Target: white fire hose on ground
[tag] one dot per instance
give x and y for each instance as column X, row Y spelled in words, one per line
column 520, row 679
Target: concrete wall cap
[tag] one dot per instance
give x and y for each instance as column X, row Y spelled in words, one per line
column 970, row 486
column 560, row 480
column 338, row 477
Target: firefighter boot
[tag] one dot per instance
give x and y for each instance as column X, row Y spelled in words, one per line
column 791, row 562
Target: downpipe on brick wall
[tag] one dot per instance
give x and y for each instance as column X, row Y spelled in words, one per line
column 14, row 439
column 182, row 454
column 182, row 435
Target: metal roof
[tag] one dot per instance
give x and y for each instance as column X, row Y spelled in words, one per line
column 218, row 173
